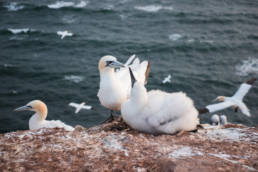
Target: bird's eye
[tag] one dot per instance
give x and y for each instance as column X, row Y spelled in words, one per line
column 29, row 106
column 108, row 63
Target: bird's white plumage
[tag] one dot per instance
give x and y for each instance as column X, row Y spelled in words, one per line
column 167, row 79
column 38, row 120
column 64, row 34
column 215, row 120
column 79, row 107
column 159, row 112
column 115, row 87
column 223, row 120
column 236, row 100
column 242, row 91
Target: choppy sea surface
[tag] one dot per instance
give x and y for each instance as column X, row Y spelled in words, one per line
column 209, row 48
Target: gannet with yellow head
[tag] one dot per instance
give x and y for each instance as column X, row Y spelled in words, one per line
column 38, row 120
column 115, row 86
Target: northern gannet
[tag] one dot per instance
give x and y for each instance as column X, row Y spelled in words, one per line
column 235, row 101
column 78, row 107
column 215, row 120
column 38, row 120
column 157, row 111
column 223, row 120
column 64, row 34
column 115, row 86
column 167, row 79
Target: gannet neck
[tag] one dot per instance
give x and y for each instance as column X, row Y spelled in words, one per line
column 35, row 121
column 139, row 94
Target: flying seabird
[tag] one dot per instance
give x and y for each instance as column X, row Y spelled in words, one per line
column 235, row 101
column 115, row 86
column 157, row 111
column 38, row 120
column 64, row 34
column 79, row 107
column 167, row 79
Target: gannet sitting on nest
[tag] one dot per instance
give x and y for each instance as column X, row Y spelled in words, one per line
column 218, row 120
column 115, row 86
column 157, row 111
column 235, row 101
column 38, row 120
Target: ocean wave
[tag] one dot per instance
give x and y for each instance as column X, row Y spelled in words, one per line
column 74, row 78
column 62, row 4
column 153, row 8
column 249, row 66
column 20, row 31
column 175, row 36
column 14, row 6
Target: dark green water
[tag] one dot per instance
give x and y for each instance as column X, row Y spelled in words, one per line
column 209, row 47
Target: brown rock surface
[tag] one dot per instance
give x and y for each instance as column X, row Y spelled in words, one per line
column 115, row 147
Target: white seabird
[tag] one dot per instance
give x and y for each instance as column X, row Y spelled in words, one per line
column 235, row 101
column 215, row 120
column 157, row 111
column 115, row 86
column 64, row 34
column 38, row 120
column 167, row 79
column 223, row 120
column 79, row 107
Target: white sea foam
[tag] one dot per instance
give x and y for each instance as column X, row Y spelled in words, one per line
column 14, row 6
column 249, row 66
column 62, row 4
column 175, row 36
column 74, row 78
column 153, row 8
column 18, row 31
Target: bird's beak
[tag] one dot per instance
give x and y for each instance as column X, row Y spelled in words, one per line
column 215, row 100
column 23, row 108
column 132, row 77
column 116, row 64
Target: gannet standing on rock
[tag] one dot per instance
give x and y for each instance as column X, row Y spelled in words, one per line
column 235, row 101
column 38, row 120
column 115, row 86
column 223, row 120
column 215, row 120
column 157, row 111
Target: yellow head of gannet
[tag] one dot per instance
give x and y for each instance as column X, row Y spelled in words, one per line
column 108, row 63
column 220, row 99
column 38, row 120
column 37, row 106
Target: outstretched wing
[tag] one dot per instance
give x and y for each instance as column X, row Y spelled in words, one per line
column 219, row 106
column 86, row 107
column 242, row 91
column 74, row 105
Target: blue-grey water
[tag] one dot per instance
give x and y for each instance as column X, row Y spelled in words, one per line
column 209, row 47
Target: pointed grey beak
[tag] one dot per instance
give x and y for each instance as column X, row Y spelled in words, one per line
column 115, row 64
column 214, row 100
column 133, row 80
column 23, row 108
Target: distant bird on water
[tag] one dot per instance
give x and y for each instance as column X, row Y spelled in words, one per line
column 64, row 34
column 79, row 107
column 235, row 101
column 158, row 112
column 38, row 120
column 115, row 86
